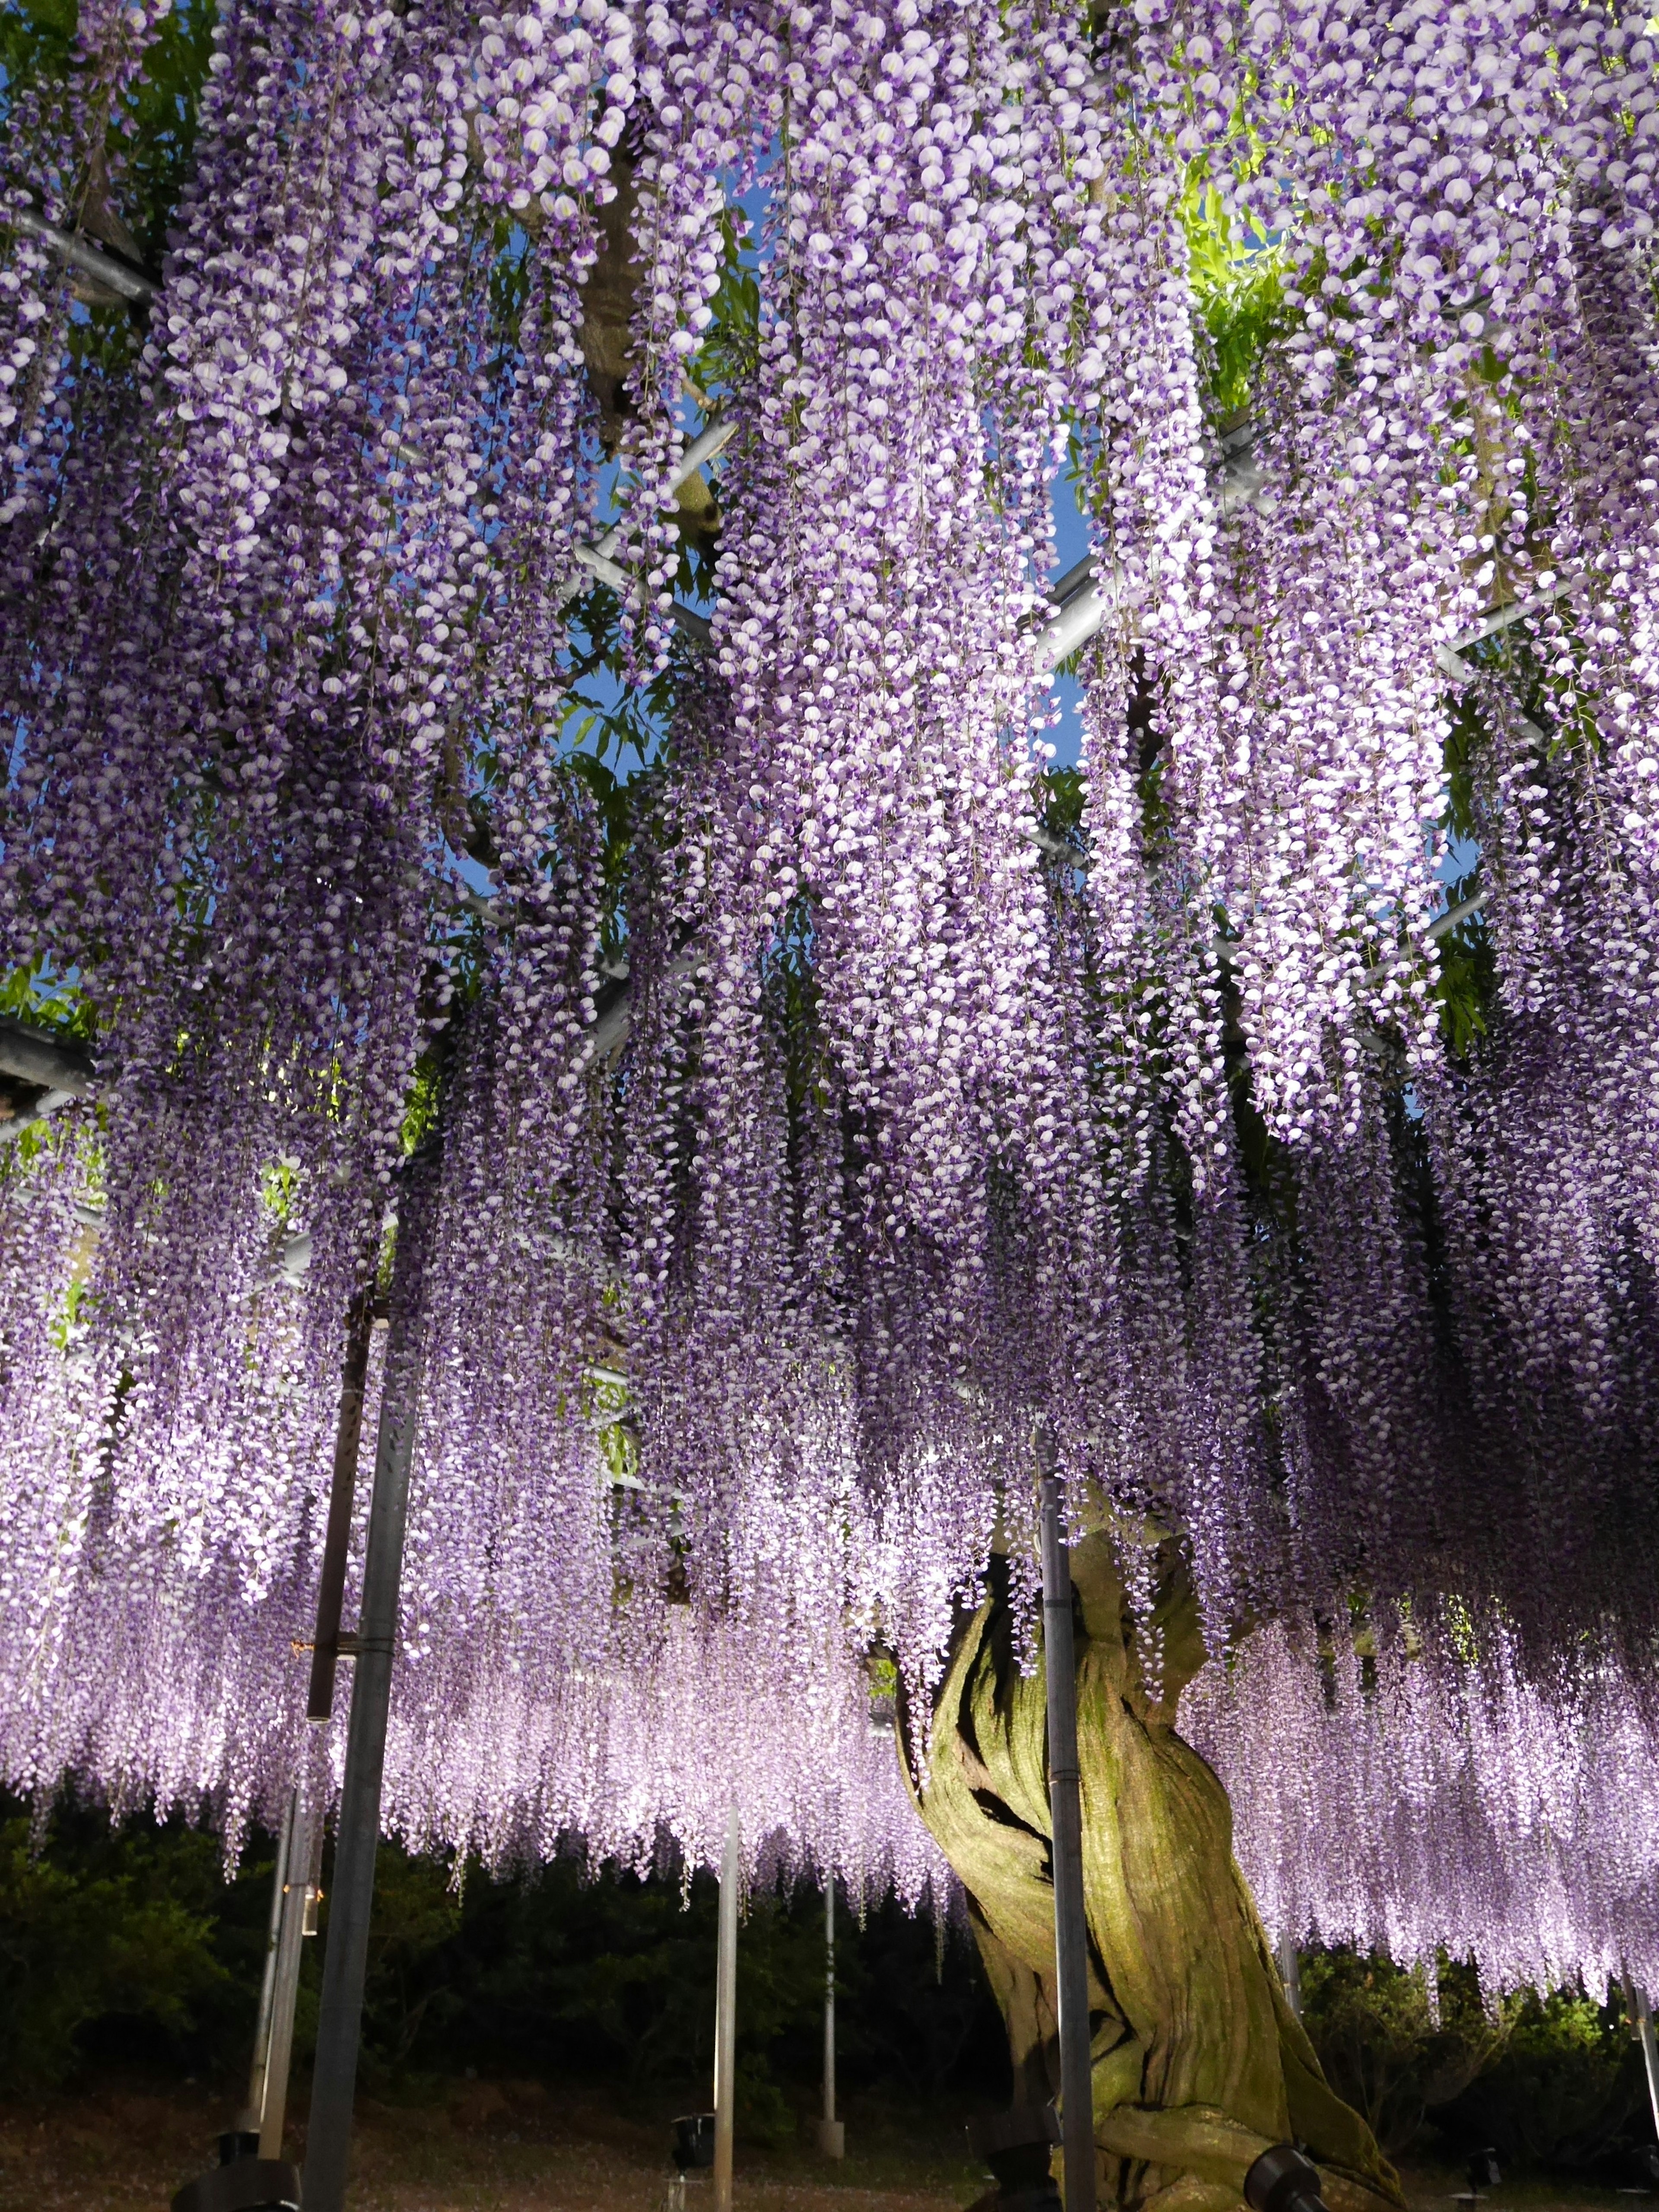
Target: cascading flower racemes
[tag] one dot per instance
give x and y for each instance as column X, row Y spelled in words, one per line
column 707, row 77
column 865, row 792
column 1434, row 281
column 511, row 1503
column 933, row 1124
column 313, row 573
column 1442, row 1798
column 64, row 138
column 154, row 1657
column 1420, row 162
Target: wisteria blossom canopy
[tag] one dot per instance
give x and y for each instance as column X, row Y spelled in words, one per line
column 1266, row 1110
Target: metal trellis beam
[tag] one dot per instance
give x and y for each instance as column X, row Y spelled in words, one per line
column 79, row 251
column 54, row 1068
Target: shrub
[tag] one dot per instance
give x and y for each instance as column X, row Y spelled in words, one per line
column 1563, row 2090
column 78, row 1947
column 1388, row 2046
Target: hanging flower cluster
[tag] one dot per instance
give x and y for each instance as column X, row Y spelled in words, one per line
column 1160, row 1114
column 64, row 136
column 540, row 1695
column 1438, row 1802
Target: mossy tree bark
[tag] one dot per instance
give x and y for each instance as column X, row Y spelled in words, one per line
column 1198, row 2063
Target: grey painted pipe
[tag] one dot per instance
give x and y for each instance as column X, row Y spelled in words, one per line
column 32, row 1055
column 725, row 2014
column 1077, row 2110
column 832, row 2135
column 285, row 1990
column 1645, row 2035
column 260, row 2064
column 339, row 2027
column 80, row 253
column 1289, row 1972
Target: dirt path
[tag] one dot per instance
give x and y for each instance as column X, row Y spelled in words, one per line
column 489, row 2147
column 478, row 2147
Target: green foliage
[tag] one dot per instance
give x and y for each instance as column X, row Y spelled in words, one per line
column 1468, row 987
column 153, row 135
column 420, row 1109
column 159, row 127
column 1238, row 284
column 557, row 1970
column 147, row 153
column 609, row 1404
column 615, row 1965
column 1059, row 794
column 106, row 1930
column 1382, row 2045
column 416, row 1913
column 1550, row 2081
column 729, row 355
column 1468, row 982
column 278, row 1185
column 1565, row 2084
column 607, row 713
column 35, row 41
column 131, row 1945
column 618, row 803
column 34, row 993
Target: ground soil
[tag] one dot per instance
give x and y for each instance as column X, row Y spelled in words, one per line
column 126, row 2145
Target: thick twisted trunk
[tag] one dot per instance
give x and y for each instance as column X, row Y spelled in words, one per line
column 1198, row 2062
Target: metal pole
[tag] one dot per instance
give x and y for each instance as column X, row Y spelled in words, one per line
column 273, row 2103
column 1289, row 1972
column 725, row 2017
column 342, row 1496
column 259, row 2069
column 1644, row 2036
column 294, row 1886
column 832, row 2135
column 1065, row 1819
column 829, row 1999
column 334, row 2078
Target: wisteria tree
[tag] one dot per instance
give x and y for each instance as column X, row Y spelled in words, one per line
column 527, row 545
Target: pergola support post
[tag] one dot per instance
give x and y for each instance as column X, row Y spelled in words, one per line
column 299, row 1848
column 339, row 2026
column 279, row 2050
column 259, row 2068
column 1642, row 2016
column 1066, row 1817
column 1289, row 1972
column 832, row 2134
column 726, row 2014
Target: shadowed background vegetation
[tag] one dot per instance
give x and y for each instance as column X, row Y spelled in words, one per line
column 130, row 1947
column 127, row 1949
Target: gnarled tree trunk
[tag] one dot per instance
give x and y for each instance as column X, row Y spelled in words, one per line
column 1198, row 2062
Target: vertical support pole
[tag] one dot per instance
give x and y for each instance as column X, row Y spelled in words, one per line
column 273, row 2102
column 1289, row 1972
column 1645, row 2035
column 342, row 1496
column 832, row 2135
column 339, row 2026
column 258, row 2069
column 1065, row 1819
column 299, row 1850
column 830, row 1997
column 726, row 2016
